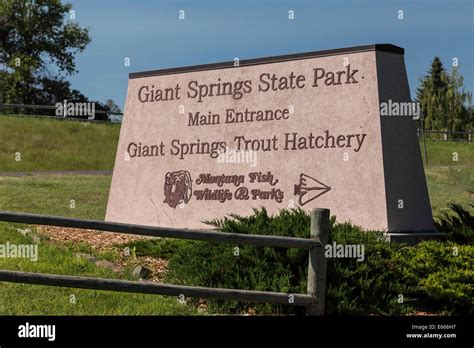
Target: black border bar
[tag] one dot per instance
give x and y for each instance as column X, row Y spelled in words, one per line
column 267, row 60
column 254, row 330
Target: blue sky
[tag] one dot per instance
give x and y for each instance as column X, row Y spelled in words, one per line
column 153, row 37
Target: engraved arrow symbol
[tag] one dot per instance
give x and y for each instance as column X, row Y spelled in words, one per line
column 309, row 189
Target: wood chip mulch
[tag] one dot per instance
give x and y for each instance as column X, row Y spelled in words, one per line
column 101, row 242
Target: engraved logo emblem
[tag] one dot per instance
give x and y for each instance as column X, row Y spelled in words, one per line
column 177, row 188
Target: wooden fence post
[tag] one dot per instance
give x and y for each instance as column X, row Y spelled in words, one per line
column 317, row 265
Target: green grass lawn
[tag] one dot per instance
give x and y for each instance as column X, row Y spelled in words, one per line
column 450, row 185
column 441, row 153
column 24, row 299
column 82, row 196
column 50, row 144
column 52, row 195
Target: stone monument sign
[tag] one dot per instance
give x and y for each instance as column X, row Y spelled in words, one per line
column 328, row 129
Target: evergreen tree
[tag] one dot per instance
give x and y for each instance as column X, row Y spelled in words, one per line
column 436, row 73
column 444, row 103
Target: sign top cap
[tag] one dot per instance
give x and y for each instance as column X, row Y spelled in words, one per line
column 273, row 59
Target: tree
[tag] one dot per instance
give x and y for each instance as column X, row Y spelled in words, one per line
column 3, row 36
column 444, row 103
column 436, row 74
column 430, row 93
column 34, row 36
column 58, row 90
column 456, row 115
column 112, row 106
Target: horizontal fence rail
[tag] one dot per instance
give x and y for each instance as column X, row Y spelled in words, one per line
column 157, row 289
column 112, row 116
column 317, row 264
column 51, row 107
column 208, row 236
column 446, row 135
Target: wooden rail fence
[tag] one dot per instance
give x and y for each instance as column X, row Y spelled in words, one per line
column 313, row 300
column 49, row 107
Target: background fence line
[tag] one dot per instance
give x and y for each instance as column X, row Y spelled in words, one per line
column 446, row 135
column 3, row 107
column 52, row 107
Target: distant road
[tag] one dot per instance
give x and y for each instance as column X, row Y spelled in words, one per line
column 59, row 172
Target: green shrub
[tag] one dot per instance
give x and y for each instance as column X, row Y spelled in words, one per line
column 355, row 287
column 372, row 286
column 434, row 276
column 457, row 225
column 161, row 248
column 442, row 274
column 255, row 268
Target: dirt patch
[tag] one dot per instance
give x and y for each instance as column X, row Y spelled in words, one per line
column 421, row 313
column 98, row 240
